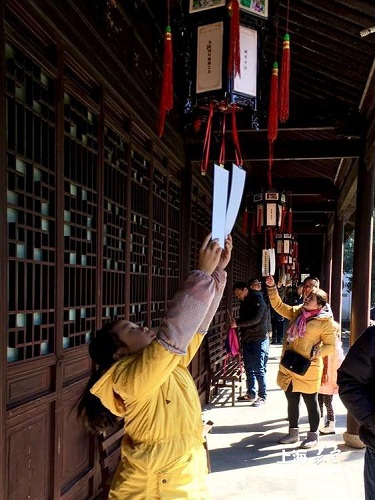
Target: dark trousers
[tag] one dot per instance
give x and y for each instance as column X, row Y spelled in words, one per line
column 311, row 402
column 277, row 331
column 369, row 474
column 255, row 357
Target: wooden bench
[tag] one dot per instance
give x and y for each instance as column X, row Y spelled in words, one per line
column 223, row 371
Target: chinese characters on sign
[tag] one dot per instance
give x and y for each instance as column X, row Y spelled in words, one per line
column 209, row 57
column 323, row 455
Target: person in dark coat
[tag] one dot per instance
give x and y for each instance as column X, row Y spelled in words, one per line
column 254, row 325
column 356, row 381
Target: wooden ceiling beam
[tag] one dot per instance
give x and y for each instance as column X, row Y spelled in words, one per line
column 346, row 13
column 359, row 5
column 346, row 58
column 285, row 151
column 305, row 22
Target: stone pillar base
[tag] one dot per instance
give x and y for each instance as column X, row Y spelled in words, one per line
column 352, row 440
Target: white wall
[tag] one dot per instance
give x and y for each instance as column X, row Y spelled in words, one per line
column 346, row 298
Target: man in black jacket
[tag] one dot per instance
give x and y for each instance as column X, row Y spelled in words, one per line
column 254, row 324
column 356, row 380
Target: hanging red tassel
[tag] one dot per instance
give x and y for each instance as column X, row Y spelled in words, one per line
column 166, row 100
column 272, row 118
column 234, row 60
column 282, row 225
column 290, row 222
column 284, row 80
column 236, row 142
column 245, row 221
column 207, row 141
column 272, row 110
column 252, row 225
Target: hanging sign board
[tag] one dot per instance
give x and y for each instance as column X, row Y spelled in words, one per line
column 209, row 57
column 246, row 83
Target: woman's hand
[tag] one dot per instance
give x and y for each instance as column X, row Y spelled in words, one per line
column 324, row 378
column 209, row 255
column 270, row 281
column 226, row 253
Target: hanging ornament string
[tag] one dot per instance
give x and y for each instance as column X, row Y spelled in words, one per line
column 207, row 140
column 166, row 99
column 285, row 74
column 234, row 60
column 222, row 149
column 245, row 218
column 236, row 142
column 253, row 225
column 290, row 221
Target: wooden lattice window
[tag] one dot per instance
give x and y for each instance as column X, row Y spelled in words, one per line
column 114, row 230
column 200, row 220
column 80, row 221
column 240, row 258
column 139, row 245
column 174, row 239
column 31, row 180
column 158, row 257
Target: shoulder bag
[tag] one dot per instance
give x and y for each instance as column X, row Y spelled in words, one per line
column 295, row 362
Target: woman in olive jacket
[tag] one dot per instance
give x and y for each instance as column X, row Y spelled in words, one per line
column 311, row 334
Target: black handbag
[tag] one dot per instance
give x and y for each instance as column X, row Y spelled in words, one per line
column 295, row 362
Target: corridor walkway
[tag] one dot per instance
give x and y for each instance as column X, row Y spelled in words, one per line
column 247, row 462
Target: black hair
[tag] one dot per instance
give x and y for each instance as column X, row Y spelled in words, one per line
column 240, row 285
column 252, row 281
column 94, row 416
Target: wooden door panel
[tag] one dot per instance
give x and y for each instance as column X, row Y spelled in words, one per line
column 76, row 456
column 29, row 440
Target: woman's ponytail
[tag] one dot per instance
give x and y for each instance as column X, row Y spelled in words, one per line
column 94, row 416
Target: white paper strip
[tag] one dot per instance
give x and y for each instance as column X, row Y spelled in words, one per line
column 235, row 197
column 219, row 208
column 272, row 261
column 265, row 263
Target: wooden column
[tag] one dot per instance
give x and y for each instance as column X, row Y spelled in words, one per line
column 327, row 278
column 337, row 267
column 361, row 272
column 3, row 260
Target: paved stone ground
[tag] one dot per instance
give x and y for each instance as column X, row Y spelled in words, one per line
column 247, row 462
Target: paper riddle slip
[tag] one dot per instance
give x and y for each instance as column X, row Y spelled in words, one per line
column 226, row 204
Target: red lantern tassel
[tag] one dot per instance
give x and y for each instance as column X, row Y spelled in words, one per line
column 252, row 225
column 284, row 80
column 272, row 109
column 166, row 100
column 272, row 117
column 290, row 222
column 234, row 60
column 283, row 214
column 245, row 221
